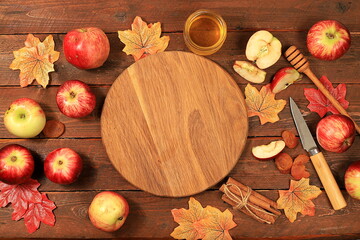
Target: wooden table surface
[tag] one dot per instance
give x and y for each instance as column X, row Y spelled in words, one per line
column 150, row 216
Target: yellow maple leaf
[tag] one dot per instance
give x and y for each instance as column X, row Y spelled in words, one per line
column 263, row 104
column 217, row 225
column 143, row 39
column 35, row 60
column 186, row 219
column 202, row 223
column 298, row 199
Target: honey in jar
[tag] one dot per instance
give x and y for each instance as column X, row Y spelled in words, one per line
column 205, row 32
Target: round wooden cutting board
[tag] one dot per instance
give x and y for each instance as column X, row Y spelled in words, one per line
column 174, row 124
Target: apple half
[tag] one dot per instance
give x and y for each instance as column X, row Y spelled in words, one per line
column 250, row 72
column 284, row 78
column 269, row 151
column 263, row 48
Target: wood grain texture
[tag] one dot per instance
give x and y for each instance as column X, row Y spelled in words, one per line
column 233, row 49
column 54, row 16
column 99, row 173
column 174, row 124
column 89, row 127
column 150, row 217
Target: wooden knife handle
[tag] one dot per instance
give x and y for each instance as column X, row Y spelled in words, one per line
column 328, row 181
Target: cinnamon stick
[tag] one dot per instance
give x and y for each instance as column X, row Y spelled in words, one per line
column 252, row 199
column 261, row 217
column 254, row 193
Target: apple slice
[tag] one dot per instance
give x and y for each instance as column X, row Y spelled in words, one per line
column 269, row 151
column 263, row 48
column 250, row 72
column 284, row 78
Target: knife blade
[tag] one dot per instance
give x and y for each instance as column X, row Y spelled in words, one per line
column 306, row 138
column 317, row 158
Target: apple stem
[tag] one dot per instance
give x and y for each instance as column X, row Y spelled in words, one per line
column 72, row 94
column 13, row 158
column 22, row 116
column 60, row 162
column 120, row 218
column 330, row 35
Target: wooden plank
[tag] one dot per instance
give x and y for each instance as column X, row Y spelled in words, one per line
column 89, row 127
column 148, row 213
column 343, row 70
column 61, row 16
column 99, row 173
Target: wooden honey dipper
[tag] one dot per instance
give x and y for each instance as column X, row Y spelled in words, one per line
column 301, row 64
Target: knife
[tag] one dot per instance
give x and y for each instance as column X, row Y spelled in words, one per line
column 317, row 158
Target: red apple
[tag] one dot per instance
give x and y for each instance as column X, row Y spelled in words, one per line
column 352, row 180
column 86, row 48
column 108, row 211
column 75, row 99
column 328, row 40
column 335, row 133
column 269, row 151
column 24, row 118
column 63, row 166
column 16, row 164
column 283, row 78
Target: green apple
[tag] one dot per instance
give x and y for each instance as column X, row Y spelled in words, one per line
column 108, row 211
column 25, row 118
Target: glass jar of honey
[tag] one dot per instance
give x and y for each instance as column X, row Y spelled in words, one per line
column 205, row 32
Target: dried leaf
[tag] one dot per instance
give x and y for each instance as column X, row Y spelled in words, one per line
column 321, row 104
column 53, row 129
column 143, row 40
column 217, row 225
column 198, row 222
column 35, row 60
column 263, row 104
column 298, row 199
column 39, row 212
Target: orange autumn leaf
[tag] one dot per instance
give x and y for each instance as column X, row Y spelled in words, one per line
column 143, row 39
column 202, row 223
column 298, row 199
column 186, row 219
column 263, row 104
column 217, row 225
column 35, row 60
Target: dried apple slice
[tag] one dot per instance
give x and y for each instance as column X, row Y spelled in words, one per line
column 269, row 151
column 250, row 72
column 263, row 48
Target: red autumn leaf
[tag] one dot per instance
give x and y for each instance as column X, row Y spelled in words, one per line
column 39, row 212
column 319, row 103
column 28, row 203
column 19, row 195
